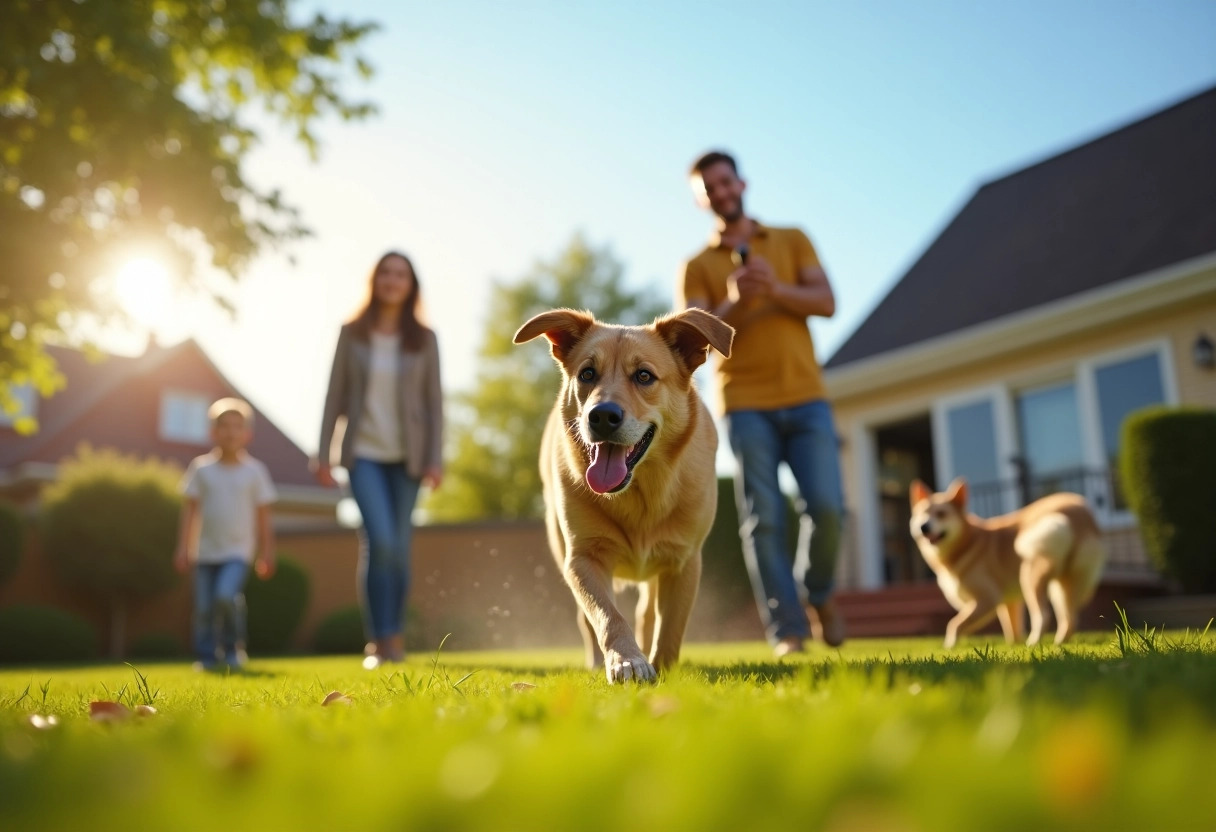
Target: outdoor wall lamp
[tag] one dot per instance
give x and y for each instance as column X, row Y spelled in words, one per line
column 1204, row 352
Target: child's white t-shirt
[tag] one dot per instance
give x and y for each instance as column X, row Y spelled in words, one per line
column 228, row 498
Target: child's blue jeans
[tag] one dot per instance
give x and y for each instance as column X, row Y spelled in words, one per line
column 219, row 609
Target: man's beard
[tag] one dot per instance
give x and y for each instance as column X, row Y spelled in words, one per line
column 733, row 215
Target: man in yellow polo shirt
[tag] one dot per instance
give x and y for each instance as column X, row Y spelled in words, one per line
column 765, row 282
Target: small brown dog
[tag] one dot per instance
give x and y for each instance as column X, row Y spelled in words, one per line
column 627, row 462
column 1051, row 548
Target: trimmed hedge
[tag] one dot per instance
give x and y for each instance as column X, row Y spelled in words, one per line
column 31, row 633
column 156, row 646
column 12, row 540
column 276, row 606
column 1168, row 470
column 340, row 632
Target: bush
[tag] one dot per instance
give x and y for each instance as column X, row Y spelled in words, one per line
column 30, row 633
column 157, row 646
column 276, row 606
column 340, row 632
column 110, row 528
column 12, row 540
column 1167, row 465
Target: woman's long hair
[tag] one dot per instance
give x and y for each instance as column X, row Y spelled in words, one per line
column 412, row 328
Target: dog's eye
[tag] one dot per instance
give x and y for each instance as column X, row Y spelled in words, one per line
column 587, row 374
column 643, row 377
column 939, row 513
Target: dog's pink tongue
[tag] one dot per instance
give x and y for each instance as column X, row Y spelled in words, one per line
column 607, row 469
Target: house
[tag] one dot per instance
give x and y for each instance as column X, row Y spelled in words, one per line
column 1060, row 298
column 152, row 405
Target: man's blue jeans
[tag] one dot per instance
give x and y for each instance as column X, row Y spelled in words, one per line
column 803, row 437
column 219, row 609
column 385, row 494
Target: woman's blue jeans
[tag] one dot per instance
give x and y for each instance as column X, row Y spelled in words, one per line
column 385, row 494
column 803, row 437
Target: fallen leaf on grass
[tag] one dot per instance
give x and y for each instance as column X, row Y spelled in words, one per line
column 43, row 723
column 145, row 710
column 522, row 685
column 664, row 705
column 108, row 711
column 338, row 698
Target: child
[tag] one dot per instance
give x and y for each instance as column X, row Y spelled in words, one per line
column 225, row 522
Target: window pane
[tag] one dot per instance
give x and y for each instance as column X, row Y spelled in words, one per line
column 1122, row 388
column 973, row 453
column 27, row 405
column 1050, row 433
column 183, row 418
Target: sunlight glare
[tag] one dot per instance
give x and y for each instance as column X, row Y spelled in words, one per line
column 142, row 287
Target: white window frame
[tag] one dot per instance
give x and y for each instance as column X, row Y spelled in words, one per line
column 167, row 432
column 1091, row 422
column 1004, row 433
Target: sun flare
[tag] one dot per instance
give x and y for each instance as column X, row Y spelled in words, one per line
column 143, row 289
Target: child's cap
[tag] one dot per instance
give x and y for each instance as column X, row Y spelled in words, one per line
column 230, row 405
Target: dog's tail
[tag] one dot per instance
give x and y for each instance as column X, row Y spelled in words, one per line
column 1051, row 536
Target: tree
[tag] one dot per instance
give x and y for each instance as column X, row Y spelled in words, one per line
column 123, row 127
column 109, row 529
column 496, row 428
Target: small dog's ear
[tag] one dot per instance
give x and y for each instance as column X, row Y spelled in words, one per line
column 563, row 327
column 918, row 491
column 957, row 493
column 692, row 332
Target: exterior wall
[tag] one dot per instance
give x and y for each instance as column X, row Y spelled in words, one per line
column 855, row 414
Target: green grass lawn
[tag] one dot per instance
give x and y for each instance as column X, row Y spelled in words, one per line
column 881, row 735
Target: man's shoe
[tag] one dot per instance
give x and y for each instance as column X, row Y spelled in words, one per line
column 787, row 645
column 827, row 624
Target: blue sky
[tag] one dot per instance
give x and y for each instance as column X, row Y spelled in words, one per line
column 507, row 128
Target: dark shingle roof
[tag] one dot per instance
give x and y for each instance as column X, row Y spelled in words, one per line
column 1134, row 200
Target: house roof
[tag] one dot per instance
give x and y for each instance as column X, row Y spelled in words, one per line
column 1119, row 206
column 115, row 402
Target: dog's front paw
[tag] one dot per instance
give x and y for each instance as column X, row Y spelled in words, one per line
column 621, row 668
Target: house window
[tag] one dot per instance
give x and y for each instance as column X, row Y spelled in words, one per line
column 183, row 417
column 1122, row 387
column 27, row 405
column 1049, row 428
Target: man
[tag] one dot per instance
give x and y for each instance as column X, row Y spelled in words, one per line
column 765, row 282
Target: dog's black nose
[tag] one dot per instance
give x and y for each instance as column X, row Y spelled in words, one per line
column 925, row 529
column 604, row 419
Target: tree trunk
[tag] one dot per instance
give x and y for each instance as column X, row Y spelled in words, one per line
column 118, row 627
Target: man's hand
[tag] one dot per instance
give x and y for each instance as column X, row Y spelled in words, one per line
column 181, row 560
column 757, row 279
column 325, row 476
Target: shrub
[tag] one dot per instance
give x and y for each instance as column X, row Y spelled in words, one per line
column 157, row 646
column 1167, row 460
column 276, row 606
column 340, row 632
column 110, row 527
column 30, row 633
column 12, row 540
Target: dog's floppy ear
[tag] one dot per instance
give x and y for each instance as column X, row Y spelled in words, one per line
column 957, row 493
column 692, row 332
column 918, row 491
column 563, row 327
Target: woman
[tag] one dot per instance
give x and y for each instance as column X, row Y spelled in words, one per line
column 385, row 384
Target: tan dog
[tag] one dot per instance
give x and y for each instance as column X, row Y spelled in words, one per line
column 627, row 462
column 1052, row 547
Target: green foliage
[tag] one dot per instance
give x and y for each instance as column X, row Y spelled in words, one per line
column 340, row 632
column 157, row 646
column 1167, row 463
column 492, row 471
column 30, row 633
column 109, row 524
column 276, row 606
column 12, row 540
column 124, row 128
